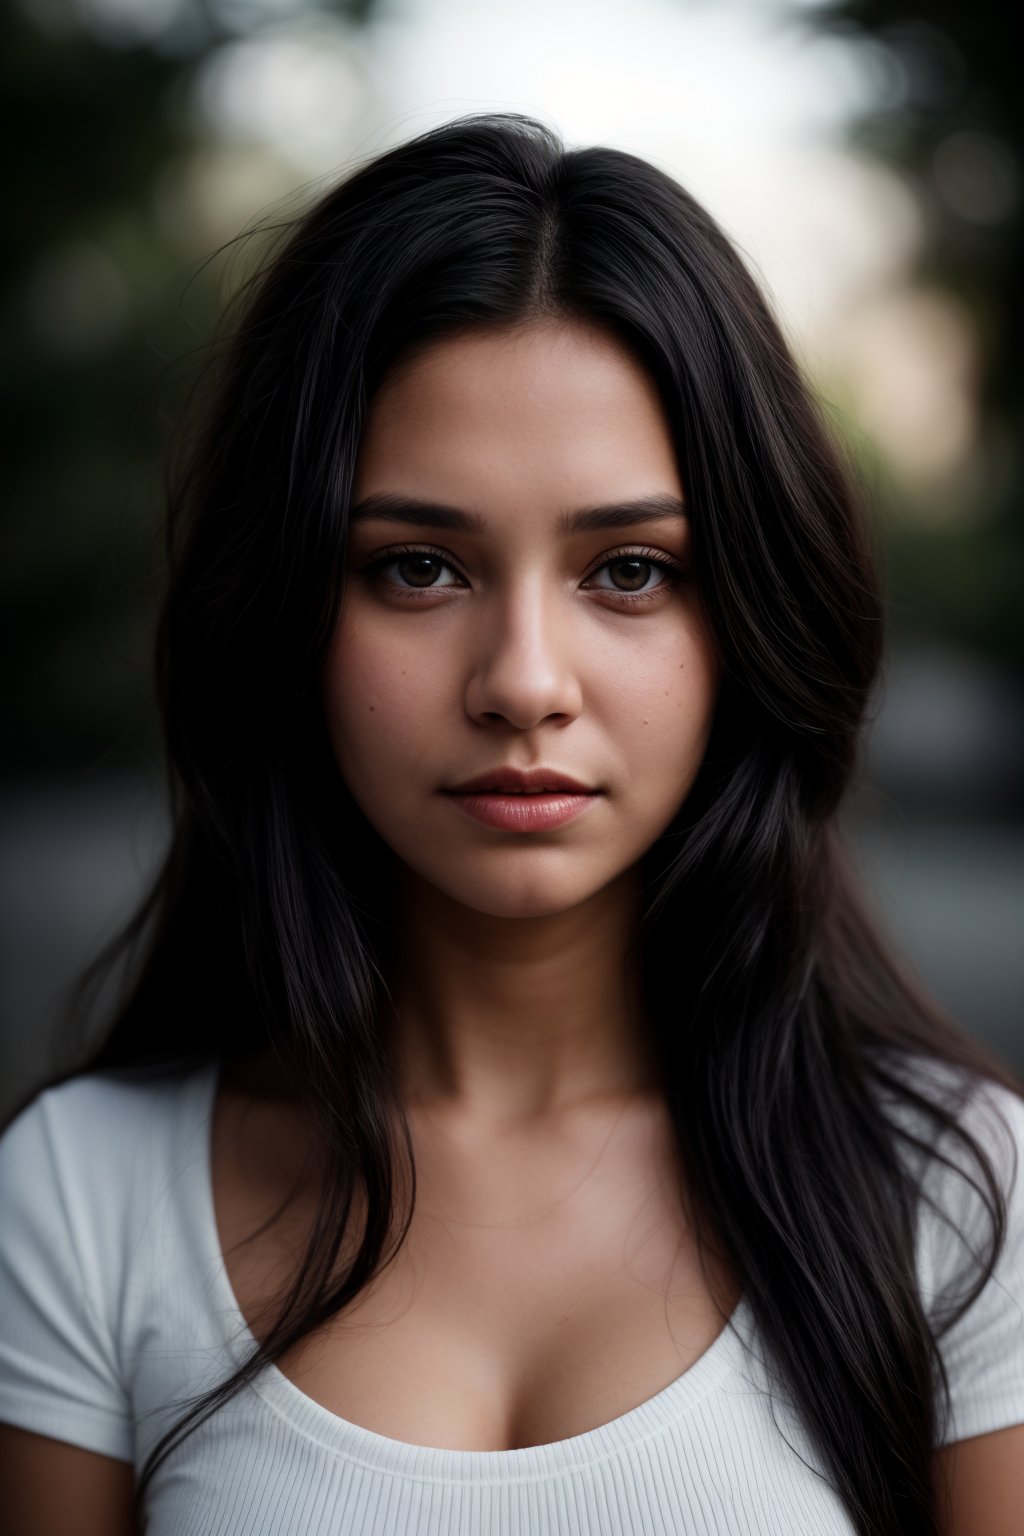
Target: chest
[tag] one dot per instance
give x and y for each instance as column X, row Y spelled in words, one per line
column 547, row 1285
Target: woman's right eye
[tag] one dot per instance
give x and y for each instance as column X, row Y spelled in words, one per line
column 419, row 561
column 410, row 559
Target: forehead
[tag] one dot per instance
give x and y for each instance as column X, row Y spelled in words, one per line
column 558, row 408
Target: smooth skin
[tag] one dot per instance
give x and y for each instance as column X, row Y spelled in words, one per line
column 517, row 1007
column 50, row 1488
column 519, row 645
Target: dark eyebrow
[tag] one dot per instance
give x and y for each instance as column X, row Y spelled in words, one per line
column 385, row 506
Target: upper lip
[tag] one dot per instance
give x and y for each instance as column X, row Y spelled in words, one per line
column 521, row 778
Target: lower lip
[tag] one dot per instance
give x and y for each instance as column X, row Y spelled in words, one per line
column 524, row 813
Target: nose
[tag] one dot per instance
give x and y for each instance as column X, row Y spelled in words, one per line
column 522, row 662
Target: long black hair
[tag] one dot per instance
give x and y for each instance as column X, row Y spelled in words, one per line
column 270, row 925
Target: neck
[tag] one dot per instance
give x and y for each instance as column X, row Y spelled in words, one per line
column 513, row 1019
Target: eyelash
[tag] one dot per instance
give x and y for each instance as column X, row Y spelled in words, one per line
column 372, row 567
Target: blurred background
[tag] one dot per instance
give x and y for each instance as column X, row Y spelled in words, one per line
column 868, row 160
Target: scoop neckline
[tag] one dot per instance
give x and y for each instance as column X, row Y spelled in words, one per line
column 402, row 1457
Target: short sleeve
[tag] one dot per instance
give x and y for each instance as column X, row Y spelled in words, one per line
column 58, row 1360
column 983, row 1351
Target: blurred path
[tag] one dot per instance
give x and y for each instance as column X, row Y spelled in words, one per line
column 952, row 897
column 72, row 863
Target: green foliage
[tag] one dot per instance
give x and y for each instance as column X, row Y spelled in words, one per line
column 106, row 307
column 950, row 118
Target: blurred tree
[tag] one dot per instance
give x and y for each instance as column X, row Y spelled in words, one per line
column 97, row 114
column 950, row 119
column 99, row 117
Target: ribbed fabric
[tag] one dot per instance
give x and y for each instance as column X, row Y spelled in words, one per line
column 115, row 1305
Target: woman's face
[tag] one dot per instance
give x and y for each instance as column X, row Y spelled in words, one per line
column 514, row 642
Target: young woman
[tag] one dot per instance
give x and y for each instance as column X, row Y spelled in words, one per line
column 512, row 1121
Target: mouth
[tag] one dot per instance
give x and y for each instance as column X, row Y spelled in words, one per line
column 497, row 789
column 536, row 810
column 508, row 780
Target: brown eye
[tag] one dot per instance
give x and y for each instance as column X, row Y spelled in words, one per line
column 415, row 567
column 631, row 573
column 417, row 570
column 636, row 570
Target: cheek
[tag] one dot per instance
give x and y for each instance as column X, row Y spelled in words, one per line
column 663, row 694
column 379, row 696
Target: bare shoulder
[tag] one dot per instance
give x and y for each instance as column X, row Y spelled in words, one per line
column 981, row 1484
column 51, row 1488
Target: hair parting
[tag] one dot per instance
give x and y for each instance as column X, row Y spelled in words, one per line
column 790, row 1038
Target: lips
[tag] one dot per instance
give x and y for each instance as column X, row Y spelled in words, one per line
column 521, row 811
column 522, row 781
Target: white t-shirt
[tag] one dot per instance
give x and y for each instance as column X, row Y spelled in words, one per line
column 115, row 1303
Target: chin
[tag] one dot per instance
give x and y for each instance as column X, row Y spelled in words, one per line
column 535, row 896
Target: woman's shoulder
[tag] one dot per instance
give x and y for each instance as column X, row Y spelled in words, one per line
column 971, row 1285
column 115, row 1113
column 83, row 1166
column 88, row 1153
column 959, row 1134
column 931, row 1101
column 944, row 1114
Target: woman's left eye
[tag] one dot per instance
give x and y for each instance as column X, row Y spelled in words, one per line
column 634, row 566
column 642, row 564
